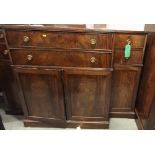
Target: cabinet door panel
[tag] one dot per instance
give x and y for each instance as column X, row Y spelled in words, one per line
column 42, row 90
column 124, row 88
column 87, row 94
column 9, row 86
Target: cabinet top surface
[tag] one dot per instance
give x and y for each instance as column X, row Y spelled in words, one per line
column 64, row 27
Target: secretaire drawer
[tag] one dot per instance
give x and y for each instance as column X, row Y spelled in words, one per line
column 59, row 39
column 136, row 57
column 61, row 58
column 136, row 40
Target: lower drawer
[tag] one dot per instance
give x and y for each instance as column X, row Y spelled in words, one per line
column 61, row 58
column 136, row 57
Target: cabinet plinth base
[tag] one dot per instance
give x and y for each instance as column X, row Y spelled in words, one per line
column 139, row 121
column 32, row 123
column 88, row 125
column 69, row 124
column 122, row 114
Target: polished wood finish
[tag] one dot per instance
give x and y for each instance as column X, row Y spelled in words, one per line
column 124, row 90
column 11, row 91
column 58, row 40
column 151, row 119
column 95, row 84
column 62, row 58
column 69, row 77
column 145, row 99
column 71, row 55
column 43, row 93
column 8, row 83
column 135, row 58
column 137, row 41
column 126, row 74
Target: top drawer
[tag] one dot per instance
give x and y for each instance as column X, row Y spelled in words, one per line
column 59, row 39
column 137, row 40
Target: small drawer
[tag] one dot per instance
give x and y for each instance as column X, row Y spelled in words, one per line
column 136, row 57
column 137, row 41
column 59, row 39
column 4, row 53
column 61, row 58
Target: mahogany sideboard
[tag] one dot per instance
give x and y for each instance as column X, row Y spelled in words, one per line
column 69, row 77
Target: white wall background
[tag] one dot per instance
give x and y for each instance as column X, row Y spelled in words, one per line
column 137, row 27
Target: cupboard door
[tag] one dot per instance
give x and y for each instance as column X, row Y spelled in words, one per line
column 43, row 93
column 124, row 90
column 87, row 94
column 9, row 87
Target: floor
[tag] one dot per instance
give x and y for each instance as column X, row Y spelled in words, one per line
column 12, row 122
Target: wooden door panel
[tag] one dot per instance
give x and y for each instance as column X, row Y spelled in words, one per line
column 42, row 90
column 87, row 94
column 124, row 88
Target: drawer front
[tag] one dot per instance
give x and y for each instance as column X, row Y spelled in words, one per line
column 4, row 53
column 61, row 58
column 1, row 36
column 136, row 57
column 137, row 41
column 59, row 40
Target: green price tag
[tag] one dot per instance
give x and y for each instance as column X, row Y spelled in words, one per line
column 127, row 51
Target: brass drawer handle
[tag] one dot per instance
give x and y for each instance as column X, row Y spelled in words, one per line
column 93, row 41
column 1, row 36
column 29, row 57
column 92, row 59
column 5, row 52
column 26, row 39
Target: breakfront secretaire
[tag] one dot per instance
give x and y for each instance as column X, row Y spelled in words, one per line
column 71, row 77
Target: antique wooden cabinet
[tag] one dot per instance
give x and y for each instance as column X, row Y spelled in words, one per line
column 145, row 103
column 70, row 77
column 8, row 83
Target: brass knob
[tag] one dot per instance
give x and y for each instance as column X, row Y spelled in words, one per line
column 5, row 52
column 92, row 59
column 26, row 39
column 93, row 41
column 1, row 36
column 29, row 57
column 44, row 35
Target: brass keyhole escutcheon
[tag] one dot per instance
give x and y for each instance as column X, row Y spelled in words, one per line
column 92, row 59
